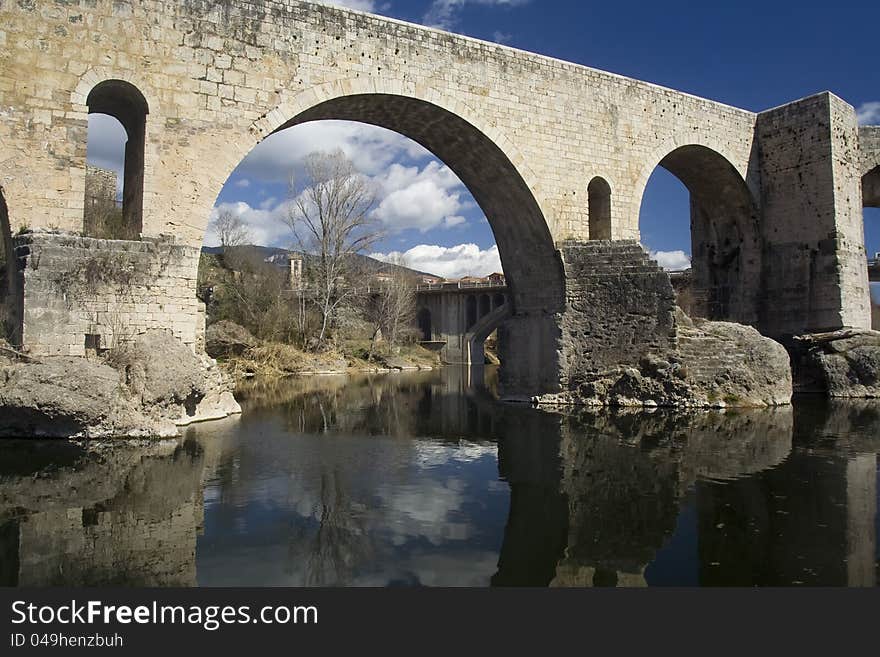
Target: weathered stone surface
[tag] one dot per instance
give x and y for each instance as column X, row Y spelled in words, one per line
column 170, row 381
column 225, row 338
column 839, row 363
column 626, row 343
column 63, row 397
column 154, row 383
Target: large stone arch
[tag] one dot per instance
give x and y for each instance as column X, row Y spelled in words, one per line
column 725, row 231
column 488, row 164
column 494, row 172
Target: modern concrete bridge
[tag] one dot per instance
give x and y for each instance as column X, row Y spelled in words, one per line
column 458, row 317
column 556, row 154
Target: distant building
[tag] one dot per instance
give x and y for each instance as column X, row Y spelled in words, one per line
column 296, row 273
column 100, row 188
column 497, row 278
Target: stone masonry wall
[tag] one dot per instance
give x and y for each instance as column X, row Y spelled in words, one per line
column 620, row 306
column 76, row 287
column 814, row 250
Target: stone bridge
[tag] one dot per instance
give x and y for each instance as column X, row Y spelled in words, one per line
column 556, row 154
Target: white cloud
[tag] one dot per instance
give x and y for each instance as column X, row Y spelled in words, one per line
column 244, row 183
column 423, row 199
column 361, row 5
column 370, row 148
column 869, row 113
column 449, row 262
column 106, row 145
column 501, row 37
column 672, row 260
column 443, row 14
column 266, row 223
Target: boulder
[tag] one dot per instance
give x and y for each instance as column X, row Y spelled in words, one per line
column 226, row 338
column 146, row 388
column 842, row 364
column 62, row 397
column 712, row 364
column 162, row 372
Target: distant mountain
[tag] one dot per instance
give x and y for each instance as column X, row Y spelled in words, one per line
column 281, row 257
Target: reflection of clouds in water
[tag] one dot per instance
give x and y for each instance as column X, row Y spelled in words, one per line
column 424, row 510
column 432, row 454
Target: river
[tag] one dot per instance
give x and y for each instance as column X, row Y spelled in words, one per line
column 424, row 479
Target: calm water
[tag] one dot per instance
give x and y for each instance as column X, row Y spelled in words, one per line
column 424, row 479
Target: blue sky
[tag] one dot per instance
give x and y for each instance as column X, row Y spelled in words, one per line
column 753, row 55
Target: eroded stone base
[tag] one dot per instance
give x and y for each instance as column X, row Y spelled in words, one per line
column 842, row 364
column 625, row 342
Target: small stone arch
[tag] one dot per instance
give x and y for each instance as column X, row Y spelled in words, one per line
column 599, row 209
column 871, row 188
column 124, row 102
column 10, row 297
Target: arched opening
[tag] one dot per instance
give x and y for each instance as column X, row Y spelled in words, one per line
column 470, row 314
column 423, row 321
column 524, row 243
column 104, row 216
column 871, row 204
column 485, row 305
column 498, row 300
column 599, row 209
column 724, row 277
column 9, row 299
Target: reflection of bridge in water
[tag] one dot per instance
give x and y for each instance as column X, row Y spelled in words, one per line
column 456, row 318
column 596, row 498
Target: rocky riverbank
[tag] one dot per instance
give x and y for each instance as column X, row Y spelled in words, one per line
column 244, row 356
column 146, row 388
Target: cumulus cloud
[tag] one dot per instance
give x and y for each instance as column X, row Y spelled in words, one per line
column 443, row 14
column 420, row 198
column 672, row 260
column 106, row 145
column 266, row 223
column 447, row 261
column 370, row 148
column 869, row 113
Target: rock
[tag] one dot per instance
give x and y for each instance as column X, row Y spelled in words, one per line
column 226, row 338
column 398, row 363
column 842, row 364
column 145, row 389
column 62, row 397
column 161, row 371
column 714, row 364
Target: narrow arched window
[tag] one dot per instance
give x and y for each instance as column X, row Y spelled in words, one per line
column 117, row 134
column 599, row 209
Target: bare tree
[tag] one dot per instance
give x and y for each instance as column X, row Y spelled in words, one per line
column 231, row 229
column 332, row 220
column 392, row 308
